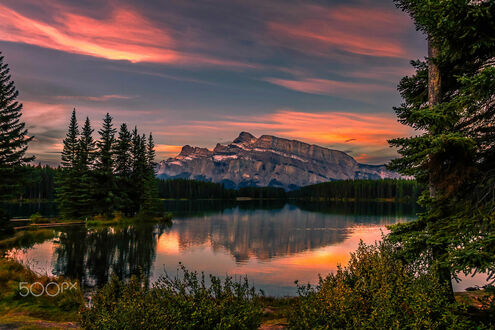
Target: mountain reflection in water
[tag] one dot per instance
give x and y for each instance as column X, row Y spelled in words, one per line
column 273, row 243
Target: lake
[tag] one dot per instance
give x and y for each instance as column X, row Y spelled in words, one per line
column 274, row 243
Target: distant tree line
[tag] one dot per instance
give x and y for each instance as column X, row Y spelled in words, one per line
column 42, row 184
column 396, row 189
column 114, row 173
column 192, row 189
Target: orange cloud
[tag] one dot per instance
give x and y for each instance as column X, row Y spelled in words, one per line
column 165, row 150
column 326, row 127
column 124, row 35
column 363, row 31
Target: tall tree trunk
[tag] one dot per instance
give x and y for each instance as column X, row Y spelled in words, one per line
column 434, row 95
column 434, row 77
column 434, row 90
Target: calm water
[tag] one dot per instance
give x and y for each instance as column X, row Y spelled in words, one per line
column 273, row 243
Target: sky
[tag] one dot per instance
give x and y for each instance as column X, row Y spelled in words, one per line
column 200, row 72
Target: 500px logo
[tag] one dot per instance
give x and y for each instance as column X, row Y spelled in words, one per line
column 51, row 289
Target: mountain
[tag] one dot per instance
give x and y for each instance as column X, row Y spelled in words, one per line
column 268, row 161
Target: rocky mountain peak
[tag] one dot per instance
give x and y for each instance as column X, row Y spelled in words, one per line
column 268, row 161
column 245, row 138
column 193, row 152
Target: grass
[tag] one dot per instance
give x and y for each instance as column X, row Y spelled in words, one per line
column 31, row 311
column 119, row 219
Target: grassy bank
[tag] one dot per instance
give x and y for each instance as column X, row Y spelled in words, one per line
column 52, row 308
column 119, row 219
column 172, row 301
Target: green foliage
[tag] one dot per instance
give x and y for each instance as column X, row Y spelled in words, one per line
column 376, row 291
column 454, row 151
column 187, row 302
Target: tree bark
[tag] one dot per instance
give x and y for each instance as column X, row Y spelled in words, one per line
column 434, row 77
column 434, row 91
column 434, row 97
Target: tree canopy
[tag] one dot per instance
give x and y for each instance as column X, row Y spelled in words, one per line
column 450, row 101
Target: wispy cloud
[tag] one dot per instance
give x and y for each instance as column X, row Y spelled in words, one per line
column 326, row 86
column 356, row 30
column 124, row 35
column 102, row 98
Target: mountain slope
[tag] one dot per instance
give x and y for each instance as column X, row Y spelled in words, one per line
column 268, row 161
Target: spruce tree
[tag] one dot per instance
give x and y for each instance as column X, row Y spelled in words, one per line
column 123, row 169
column 68, row 181
column 105, row 193
column 85, row 165
column 14, row 141
column 151, row 204
column 450, row 101
column 139, row 169
column 13, row 135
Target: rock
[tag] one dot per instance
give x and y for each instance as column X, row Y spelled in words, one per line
column 268, row 161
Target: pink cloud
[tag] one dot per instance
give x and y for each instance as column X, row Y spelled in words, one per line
column 363, row 31
column 123, row 35
column 326, row 87
column 101, row 98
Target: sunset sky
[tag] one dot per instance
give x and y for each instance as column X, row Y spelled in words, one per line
column 200, row 72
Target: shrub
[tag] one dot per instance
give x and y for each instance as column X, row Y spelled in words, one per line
column 175, row 303
column 376, row 291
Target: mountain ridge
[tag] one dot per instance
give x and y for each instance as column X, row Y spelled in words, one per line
column 268, row 161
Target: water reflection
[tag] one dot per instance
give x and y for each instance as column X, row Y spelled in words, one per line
column 264, row 234
column 93, row 255
column 273, row 243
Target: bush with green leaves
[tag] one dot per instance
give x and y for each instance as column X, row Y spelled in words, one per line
column 182, row 302
column 376, row 291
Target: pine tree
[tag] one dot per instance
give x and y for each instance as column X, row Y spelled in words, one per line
column 150, row 153
column 85, row 164
column 123, row 169
column 139, row 169
column 68, row 180
column 105, row 193
column 151, row 204
column 450, row 101
column 13, row 136
column 14, row 140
